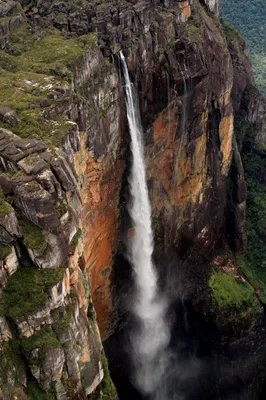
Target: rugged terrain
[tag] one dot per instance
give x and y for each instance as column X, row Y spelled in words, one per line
column 65, row 156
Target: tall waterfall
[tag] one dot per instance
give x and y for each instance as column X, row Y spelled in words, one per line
column 151, row 338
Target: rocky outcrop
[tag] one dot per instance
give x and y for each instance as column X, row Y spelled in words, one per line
column 212, row 6
column 64, row 157
column 46, row 308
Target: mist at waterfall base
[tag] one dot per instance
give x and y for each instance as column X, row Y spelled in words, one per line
column 151, row 336
column 162, row 347
column 158, row 372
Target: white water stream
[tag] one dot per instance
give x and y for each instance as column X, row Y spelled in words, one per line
column 151, row 338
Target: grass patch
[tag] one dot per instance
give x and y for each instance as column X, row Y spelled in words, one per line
column 48, row 52
column 229, row 291
column 44, row 340
column 62, row 324
column 25, row 290
column 5, row 208
column 32, row 235
column 235, row 301
column 61, row 209
column 37, row 62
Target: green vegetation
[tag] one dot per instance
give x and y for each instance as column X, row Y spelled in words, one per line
column 10, row 361
column 235, row 299
column 47, row 52
column 32, row 235
column 35, row 62
column 253, row 262
column 75, row 239
column 230, row 32
column 61, row 209
column 106, row 390
column 25, row 290
column 23, row 92
column 36, row 393
column 4, row 208
column 44, row 340
column 62, row 324
column 194, row 29
column 229, row 291
column 249, row 19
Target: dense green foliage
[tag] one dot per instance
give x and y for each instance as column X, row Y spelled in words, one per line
column 235, row 299
column 44, row 340
column 32, row 235
column 250, row 20
column 253, row 262
column 230, row 291
column 34, row 392
column 25, row 290
column 4, row 208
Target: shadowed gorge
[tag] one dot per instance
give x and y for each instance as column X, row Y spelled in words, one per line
column 130, row 271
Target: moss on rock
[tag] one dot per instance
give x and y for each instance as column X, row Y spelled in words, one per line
column 44, row 340
column 37, row 62
column 5, row 208
column 62, row 324
column 34, row 392
column 75, row 240
column 106, row 390
column 32, row 235
column 234, row 299
column 11, row 362
column 228, row 290
column 25, row 290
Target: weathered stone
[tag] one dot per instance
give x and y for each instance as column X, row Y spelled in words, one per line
column 14, row 149
column 6, row 7
column 213, row 6
column 9, row 228
column 36, row 203
column 8, row 267
column 5, row 184
column 5, row 332
column 8, row 116
column 33, row 164
column 63, row 173
column 53, row 255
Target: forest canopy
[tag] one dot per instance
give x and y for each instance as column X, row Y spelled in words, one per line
column 249, row 18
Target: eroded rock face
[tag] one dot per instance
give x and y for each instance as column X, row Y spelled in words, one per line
column 213, row 6
column 43, row 232
column 64, row 204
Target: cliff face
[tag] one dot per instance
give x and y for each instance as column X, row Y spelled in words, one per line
column 64, row 161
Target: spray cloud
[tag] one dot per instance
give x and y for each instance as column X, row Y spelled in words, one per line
column 151, row 338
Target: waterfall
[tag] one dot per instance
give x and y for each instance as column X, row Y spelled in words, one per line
column 151, row 338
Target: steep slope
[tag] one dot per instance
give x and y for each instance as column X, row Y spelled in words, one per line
column 64, row 163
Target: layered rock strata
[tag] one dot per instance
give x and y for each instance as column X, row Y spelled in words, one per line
column 64, row 158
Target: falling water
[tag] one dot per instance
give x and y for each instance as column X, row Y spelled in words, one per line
column 151, row 338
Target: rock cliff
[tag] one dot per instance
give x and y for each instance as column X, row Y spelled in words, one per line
column 64, row 158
